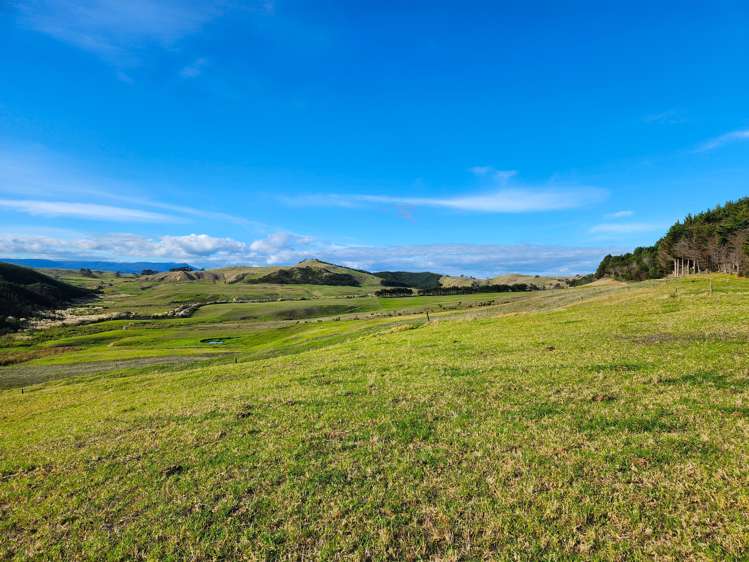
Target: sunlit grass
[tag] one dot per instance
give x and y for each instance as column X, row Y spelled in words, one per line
column 611, row 425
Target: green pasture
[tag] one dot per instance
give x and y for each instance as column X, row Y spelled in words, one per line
column 604, row 422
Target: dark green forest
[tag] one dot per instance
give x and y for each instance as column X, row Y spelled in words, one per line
column 711, row 241
column 417, row 280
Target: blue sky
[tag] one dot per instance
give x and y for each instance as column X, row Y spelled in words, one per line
column 461, row 137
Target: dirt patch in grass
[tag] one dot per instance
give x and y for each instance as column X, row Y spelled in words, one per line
column 615, row 367
column 17, row 357
column 27, row 375
column 314, row 312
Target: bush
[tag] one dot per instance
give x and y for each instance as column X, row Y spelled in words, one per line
column 394, row 292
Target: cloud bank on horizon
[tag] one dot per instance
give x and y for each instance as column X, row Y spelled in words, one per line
column 283, row 248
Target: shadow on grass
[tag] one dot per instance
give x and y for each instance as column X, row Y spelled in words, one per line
column 659, row 421
column 708, row 378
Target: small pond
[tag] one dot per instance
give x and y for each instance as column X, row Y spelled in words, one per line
column 216, row 341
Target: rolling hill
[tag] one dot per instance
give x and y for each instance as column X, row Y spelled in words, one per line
column 179, row 276
column 24, row 291
column 306, row 272
column 306, row 275
column 538, row 281
column 318, row 272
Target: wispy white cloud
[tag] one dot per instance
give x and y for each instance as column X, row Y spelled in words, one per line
column 182, row 209
column 625, row 228
column 495, row 197
column 116, row 29
column 668, row 117
column 41, row 175
column 491, row 173
column 516, row 200
column 194, row 69
column 620, row 214
column 286, row 248
column 722, row 140
column 91, row 211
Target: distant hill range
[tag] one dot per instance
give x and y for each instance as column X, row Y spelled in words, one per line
column 318, row 272
column 122, row 267
column 713, row 241
column 429, row 281
column 307, row 272
column 24, row 291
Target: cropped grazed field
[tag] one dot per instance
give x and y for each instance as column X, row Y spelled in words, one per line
column 606, row 422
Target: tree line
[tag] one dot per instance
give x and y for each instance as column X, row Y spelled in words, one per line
column 443, row 291
column 712, row 241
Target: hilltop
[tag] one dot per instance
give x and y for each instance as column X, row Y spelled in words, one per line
column 306, row 275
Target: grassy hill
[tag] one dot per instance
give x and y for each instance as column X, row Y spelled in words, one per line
column 181, row 275
column 24, row 291
column 599, row 422
column 308, row 276
column 539, row 281
column 307, row 272
column 317, row 272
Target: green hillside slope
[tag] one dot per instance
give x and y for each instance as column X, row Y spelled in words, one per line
column 305, row 275
column 611, row 425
